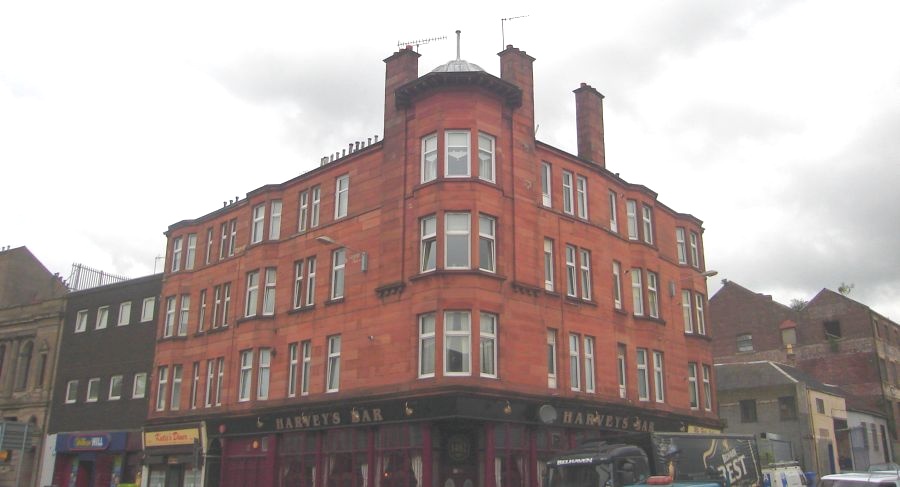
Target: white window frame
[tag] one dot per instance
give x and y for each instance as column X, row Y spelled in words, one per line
column 427, row 345
column 102, row 318
column 585, row 272
column 643, row 375
column 72, row 392
column 184, row 316
column 458, row 338
column 631, row 214
column 275, row 219
column 124, row 317
column 297, row 301
column 93, row 390
column 659, row 376
column 487, row 243
column 175, row 403
column 251, row 297
column 652, row 294
column 310, row 281
column 551, row 359
column 176, row 254
column 488, row 345
column 195, row 384
column 590, row 380
column 549, row 283
column 115, row 382
column 454, row 238
column 147, row 309
column 574, row 362
column 226, row 302
column 707, row 387
column 687, row 311
column 303, row 210
column 293, row 363
column 429, row 158
column 210, row 383
column 263, row 373
column 701, row 318
column 162, row 386
column 637, row 292
column 617, row 284
column 622, row 369
column 333, row 369
column 338, row 264
column 647, row 219
column 139, row 386
column 220, row 379
column 486, row 157
column 546, row 184
column 571, row 272
column 695, row 249
column 223, row 241
column 209, row 245
column 258, row 223
column 693, row 387
column 680, row 246
column 428, row 245
column 581, row 196
column 315, row 204
column 232, row 237
column 191, row 254
column 169, row 324
column 306, row 357
column 269, row 292
column 245, row 378
column 448, row 147
column 201, row 311
column 341, row 196
column 567, row 195
column 613, row 212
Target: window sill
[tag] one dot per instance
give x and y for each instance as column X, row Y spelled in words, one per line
column 620, row 311
column 658, row 321
column 576, row 301
column 218, row 329
column 452, row 272
column 254, row 318
column 302, row 309
column 175, row 338
column 701, row 337
column 334, row 301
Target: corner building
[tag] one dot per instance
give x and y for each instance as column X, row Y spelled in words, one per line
column 449, row 306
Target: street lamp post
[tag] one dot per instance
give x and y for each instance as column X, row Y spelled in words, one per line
column 363, row 255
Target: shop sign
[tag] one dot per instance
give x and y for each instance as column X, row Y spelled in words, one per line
column 607, row 421
column 88, row 442
column 171, row 437
column 328, row 418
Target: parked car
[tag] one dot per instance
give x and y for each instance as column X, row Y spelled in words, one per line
column 862, row 479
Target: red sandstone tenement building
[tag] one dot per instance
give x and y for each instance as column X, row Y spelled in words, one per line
column 448, row 306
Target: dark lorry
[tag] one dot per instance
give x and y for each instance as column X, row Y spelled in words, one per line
column 682, row 459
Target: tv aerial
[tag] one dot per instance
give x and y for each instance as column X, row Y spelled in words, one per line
column 419, row 42
column 503, row 31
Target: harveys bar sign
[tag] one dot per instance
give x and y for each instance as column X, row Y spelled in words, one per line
column 329, row 418
column 607, row 421
column 171, row 437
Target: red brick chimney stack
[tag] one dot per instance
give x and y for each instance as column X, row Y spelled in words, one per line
column 517, row 67
column 402, row 67
column 589, row 120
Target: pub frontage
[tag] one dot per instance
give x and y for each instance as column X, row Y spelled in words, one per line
column 450, row 440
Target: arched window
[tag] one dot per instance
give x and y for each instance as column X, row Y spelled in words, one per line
column 24, row 366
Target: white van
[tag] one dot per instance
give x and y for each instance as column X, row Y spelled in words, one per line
column 784, row 474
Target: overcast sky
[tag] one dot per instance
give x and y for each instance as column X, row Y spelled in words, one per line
column 776, row 123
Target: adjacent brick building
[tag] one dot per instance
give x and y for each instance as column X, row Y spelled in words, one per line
column 449, row 305
column 100, row 398
column 31, row 307
column 833, row 338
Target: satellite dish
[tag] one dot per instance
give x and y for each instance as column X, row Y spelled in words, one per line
column 547, row 414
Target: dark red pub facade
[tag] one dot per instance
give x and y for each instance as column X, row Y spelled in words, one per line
column 448, row 306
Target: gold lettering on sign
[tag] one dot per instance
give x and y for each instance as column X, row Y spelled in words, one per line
column 328, row 418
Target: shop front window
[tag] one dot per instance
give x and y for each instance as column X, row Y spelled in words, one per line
column 511, row 456
column 298, row 460
column 345, row 464
column 399, row 461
